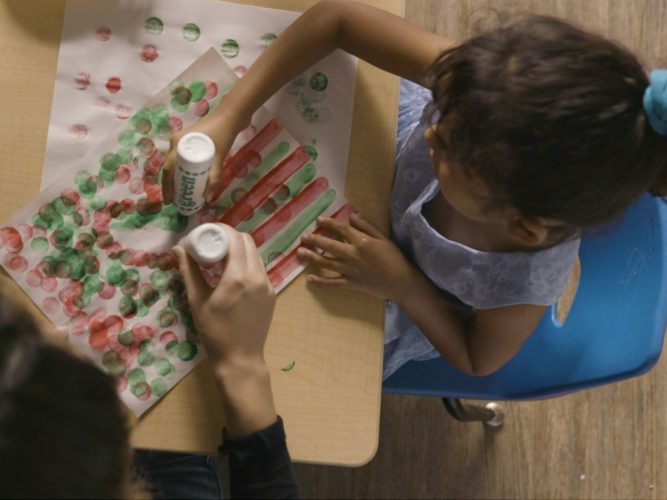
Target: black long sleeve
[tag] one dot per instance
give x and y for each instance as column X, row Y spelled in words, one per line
column 259, row 464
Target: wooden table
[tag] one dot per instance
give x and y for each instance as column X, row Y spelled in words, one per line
column 330, row 400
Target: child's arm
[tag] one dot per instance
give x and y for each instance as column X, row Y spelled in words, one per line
column 370, row 262
column 384, row 40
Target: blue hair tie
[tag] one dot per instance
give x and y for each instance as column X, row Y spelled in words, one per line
column 655, row 101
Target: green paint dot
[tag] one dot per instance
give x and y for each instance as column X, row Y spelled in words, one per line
column 167, row 318
column 181, row 95
column 129, row 287
column 312, row 152
column 159, row 279
column 62, row 238
column 172, row 347
column 136, row 376
column 142, row 310
column 197, row 90
column 127, row 307
column 267, row 39
column 39, row 245
column 113, row 363
column 318, row 81
column 126, row 337
column 127, row 138
column 145, row 358
column 230, row 48
column 191, row 32
column 140, row 389
column 186, row 350
column 159, row 387
column 154, row 25
column 149, row 295
column 163, row 367
column 116, row 275
column 98, row 203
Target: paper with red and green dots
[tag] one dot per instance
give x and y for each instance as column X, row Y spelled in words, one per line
column 92, row 249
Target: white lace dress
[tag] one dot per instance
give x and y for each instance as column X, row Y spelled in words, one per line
column 473, row 279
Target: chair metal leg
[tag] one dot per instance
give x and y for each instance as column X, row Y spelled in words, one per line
column 491, row 414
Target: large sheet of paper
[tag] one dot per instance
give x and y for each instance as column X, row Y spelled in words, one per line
column 92, row 249
column 116, row 54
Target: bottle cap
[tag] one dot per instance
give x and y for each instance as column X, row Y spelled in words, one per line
column 207, row 244
column 195, row 150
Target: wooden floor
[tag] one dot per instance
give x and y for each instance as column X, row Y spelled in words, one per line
column 606, row 443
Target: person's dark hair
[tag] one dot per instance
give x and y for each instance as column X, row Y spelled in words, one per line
column 550, row 118
column 63, row 432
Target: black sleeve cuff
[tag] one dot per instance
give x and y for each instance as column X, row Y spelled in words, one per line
column 258, row 444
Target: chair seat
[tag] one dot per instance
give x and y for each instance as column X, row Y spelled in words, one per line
column 614, row 331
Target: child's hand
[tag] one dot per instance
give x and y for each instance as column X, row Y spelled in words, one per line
column 232, row 319
column 222, row 127
column 365, row 259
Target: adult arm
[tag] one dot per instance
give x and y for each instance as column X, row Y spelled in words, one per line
column 232, row 320
column 383, row 39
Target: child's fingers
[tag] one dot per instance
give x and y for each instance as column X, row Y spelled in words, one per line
column 347, row 232
column 364, row 226
column 321, row 261
column 332, row 282
column 195, row 285
column 334, row 247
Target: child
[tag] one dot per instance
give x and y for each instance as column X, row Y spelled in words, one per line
column 530, row 133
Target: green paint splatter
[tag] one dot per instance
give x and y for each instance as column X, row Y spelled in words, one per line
column 127, row 307
column 288, row 367
column 149, row 295
column 164, row 367
column 191, row 32
column 126, row 337
column 230, row 48
column 318, row 81
column 146, row 356
column 116, row 275
column 297, row 227
column 267, row 39
column 312, row 152
column 186, row 350
column 159, row 387
column 159, row 279
column 154, row 25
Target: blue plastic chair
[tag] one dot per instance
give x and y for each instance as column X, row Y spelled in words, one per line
column 614, row 330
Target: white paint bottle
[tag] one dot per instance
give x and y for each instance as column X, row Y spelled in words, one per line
column 194, row 157
column 207, row 244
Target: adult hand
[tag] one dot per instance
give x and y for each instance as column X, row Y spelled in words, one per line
column 363, row 258
column 233, row 320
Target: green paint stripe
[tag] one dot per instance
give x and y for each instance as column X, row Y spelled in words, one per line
column 267, row 163
column 298, row 226
column 294, row 185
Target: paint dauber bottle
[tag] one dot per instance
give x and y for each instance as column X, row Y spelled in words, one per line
column 194, row 157
column 207, row 244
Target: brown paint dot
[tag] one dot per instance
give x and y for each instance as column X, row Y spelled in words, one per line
column 114, row 85
column 82, row 81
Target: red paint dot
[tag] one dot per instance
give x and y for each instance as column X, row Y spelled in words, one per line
column 103, row 33
column 114, row 85
column 34, row 278
column 123, row 111
column 49, row 284
column 108, row 291
column 167, row 337
column 122, row 174
column 11, row 238
column 201, row 108
column 25, row 230
column 121, row 384
column 82, row 81
column 78, row 323
column 136, row 185
column 175, row 124
column 79, row 131
column 211, row 89
column 240, row 70
column 15, row 262
column 50, row 305
column 149, row 53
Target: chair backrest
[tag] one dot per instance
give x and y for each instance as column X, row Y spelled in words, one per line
column 614, row 331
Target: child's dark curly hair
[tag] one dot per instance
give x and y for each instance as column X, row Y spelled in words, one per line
column 550, row 117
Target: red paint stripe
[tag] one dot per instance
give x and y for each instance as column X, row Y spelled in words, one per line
column 246, row 154
column 290, row 210
column 246, row 206
column 284, row 267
